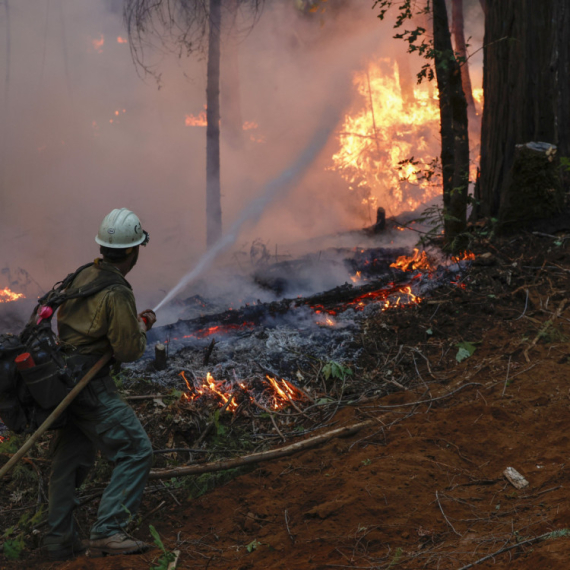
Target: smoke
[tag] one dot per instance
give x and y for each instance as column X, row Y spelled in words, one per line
column 255, row 210
column 84, row 135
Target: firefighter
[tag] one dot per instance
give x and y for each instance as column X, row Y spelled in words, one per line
column 98, row 419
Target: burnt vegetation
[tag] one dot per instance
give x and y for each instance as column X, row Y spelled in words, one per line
column 369, row 425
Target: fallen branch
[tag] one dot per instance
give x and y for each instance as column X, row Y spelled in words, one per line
column 259, row 457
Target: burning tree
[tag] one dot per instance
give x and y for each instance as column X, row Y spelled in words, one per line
column 194, row 26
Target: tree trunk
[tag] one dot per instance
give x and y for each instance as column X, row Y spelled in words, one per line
column 458, row 29
column 454, row 129
column 484, row 6
column 232, row 121
column 213, row 191
column 526, row 80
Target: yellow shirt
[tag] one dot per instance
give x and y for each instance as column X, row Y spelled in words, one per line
column 107, row 319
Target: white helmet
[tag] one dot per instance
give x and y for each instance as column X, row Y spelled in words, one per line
column 121, row 229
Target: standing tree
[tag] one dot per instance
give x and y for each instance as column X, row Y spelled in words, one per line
column 230, row 91
column 526, row 82
column 194, row 26
column 454, row 128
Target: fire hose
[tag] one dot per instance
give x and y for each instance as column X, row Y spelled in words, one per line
column 57, row 412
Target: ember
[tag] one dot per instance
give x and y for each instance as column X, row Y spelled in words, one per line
column 218, row 329
column 6, row 296
column 391, row 296
column 466, row 256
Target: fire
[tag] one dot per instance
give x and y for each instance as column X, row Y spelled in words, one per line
column 391, row 297
column 388, row 141
column 218, row 329
column 7, row 296
column 201, row 121
column 356, row 277
column 196, row 121
column 121, row 40
column 326, row 321
column 466, row 256
column 98, row 44
column 416, row 261
column 282, row 392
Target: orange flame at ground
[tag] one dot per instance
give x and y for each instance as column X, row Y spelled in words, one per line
column 121, row 40
column 466, row 256
column 379, row 139
column 416, row 261
column 6, row 296
column 282, row 392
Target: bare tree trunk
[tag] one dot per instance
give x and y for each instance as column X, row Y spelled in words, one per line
column 458, row 29
column 213, row 190
column 526, row 80
column 484, row 6
column 232, row 121
column 454, row 128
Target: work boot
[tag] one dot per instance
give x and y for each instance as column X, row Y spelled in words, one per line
column 117, row 544
column 66, row 551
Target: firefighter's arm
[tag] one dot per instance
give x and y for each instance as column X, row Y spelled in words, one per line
column 125, row 334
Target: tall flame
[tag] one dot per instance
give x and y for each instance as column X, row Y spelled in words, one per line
column 388, row 142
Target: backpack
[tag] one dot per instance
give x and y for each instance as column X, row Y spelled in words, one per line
column 34, row 375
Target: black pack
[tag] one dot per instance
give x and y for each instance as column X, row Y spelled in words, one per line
column 29, row 395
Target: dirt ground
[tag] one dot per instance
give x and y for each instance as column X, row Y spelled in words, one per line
column 424, row 486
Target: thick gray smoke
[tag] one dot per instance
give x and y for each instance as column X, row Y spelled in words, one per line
column 82, row 135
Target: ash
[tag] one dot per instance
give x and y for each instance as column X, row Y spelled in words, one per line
column 288, row 347
column 290, row 339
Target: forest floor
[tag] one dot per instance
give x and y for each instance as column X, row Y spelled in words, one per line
column 423, row 487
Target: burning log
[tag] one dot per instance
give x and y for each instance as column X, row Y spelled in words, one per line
column 259, row 457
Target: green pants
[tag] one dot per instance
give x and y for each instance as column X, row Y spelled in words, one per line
column 110, row 425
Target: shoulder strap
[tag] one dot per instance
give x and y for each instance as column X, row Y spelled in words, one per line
column 62, row 292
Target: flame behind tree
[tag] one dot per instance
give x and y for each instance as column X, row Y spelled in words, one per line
column 452, row 108
column 379, row 139
column 196, row 26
